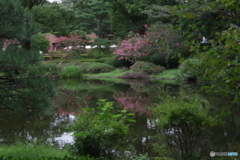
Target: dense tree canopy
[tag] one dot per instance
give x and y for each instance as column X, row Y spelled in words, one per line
column 92, row 16
column 218, row 21
column 129, row 15
column 31, row 3
column 53, row 17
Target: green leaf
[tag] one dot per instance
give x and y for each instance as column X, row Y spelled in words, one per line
column 130, row 120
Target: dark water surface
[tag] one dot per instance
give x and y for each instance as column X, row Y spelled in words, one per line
column 135, row 96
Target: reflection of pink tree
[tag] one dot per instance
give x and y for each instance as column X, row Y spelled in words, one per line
column 134, row 103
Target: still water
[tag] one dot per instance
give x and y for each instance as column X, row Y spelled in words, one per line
column 135, row 96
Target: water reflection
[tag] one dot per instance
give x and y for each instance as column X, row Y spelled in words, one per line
column 136, row 97
column 17, row 127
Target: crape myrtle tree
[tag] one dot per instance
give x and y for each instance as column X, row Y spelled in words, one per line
column 160, row 41
column 23, row 85
column 71, row 46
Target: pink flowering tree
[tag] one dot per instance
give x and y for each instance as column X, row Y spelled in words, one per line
column 134, row 47
column 159, row 39
column 67, row 47
column 73, row 42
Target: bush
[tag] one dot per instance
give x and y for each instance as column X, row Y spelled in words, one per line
column 71, row 72
column 99, row 52
column 40, row 43
column 95, row 67
column 158, row 60
column 150, row 68
column 114, row 61
column 183, row 123
column 99, row 134
column 51, row 69
column 190, row 69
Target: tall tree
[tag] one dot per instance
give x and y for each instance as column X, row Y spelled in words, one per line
column 92, row 16
column 219, row 22
column 23, row 85
column 127, row 15
column 54, row 17
column 31, row 3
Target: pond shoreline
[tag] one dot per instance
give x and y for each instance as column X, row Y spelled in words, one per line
column 160, row 78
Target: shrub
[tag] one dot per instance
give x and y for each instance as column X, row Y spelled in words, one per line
column 71, row 72
column 99, row 134
column 51, row 69
column 136, row 75
column 190, row 69
column 183, row 123
column 40, row 43
column 95, row 67
column 147, row 67
column 99, row 52
column 116, row 62
column 159, row 60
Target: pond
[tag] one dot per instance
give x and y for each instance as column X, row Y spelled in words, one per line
column 135, row 96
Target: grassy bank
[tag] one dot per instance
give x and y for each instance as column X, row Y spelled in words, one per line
column 32, row 151
column 168, row 74
column 101, row 70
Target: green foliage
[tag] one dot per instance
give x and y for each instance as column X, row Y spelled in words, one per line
column 92, row 17
column 205, row 18
column 140, row 157
column 98, row 134
column 105, row 112
column 216, row 21
column 191, row 70
column 175, row 110
column 24, row 84
column 128, row 16
column 166, row 42
column 150, row 68
column 168, row 74
column 40, row 43
column 116, row 62
column 224, row 56
column 30, row 3
column 99, row 52
column 94, row 67
column 50, row 68
column 157, row 59
column 71, row 71
column 53, row 17
column 49, row 158
column 13, row 24
column 183, row 122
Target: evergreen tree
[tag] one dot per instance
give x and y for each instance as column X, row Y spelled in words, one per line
column 23, row 85
column 92, row 16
